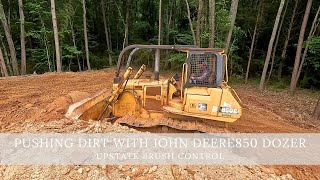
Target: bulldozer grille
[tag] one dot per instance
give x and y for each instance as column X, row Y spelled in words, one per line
column 202, row 69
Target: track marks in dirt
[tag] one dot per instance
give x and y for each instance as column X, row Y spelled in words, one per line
column 259, row 120
column 275, row 112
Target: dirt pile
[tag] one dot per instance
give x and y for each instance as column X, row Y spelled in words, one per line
column 59, row 106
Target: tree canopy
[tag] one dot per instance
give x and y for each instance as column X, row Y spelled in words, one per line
column 109, row 25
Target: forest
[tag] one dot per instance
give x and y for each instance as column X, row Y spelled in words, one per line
column 271, row 42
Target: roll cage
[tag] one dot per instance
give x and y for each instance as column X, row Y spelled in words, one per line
column 195, row 56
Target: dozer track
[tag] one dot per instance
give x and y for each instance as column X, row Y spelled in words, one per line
column 176, row 123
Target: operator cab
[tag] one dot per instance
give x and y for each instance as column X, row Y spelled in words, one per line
column 203, row 69
column 201, row 72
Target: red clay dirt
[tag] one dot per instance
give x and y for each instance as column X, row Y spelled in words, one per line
column 28, row 103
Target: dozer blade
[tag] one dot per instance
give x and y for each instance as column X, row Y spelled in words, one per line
column 89, row 108
column 99, row 105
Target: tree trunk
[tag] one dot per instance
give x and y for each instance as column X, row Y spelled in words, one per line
column 106, row 31
column 317, row 31
column 169, row 20
column 74, row 43
column 160, row 23
column 251, row 51
column 294, row 77
column 198, row 27
column 277, row 40
column 285, row 46
column 126, row 30
column 232, row 16
column 1, row 72
column 6, row 57
column 117, row 27
column 85, row 33
column 190, row 23
column 8, row 15
column 212, row 8
column 109, row 31
column 157, row 53
column 105, row 24
column 5, row 53
column 3, row 64
column 230, row 61
column 316, row 111
column 10, row 41
column 22, row 39
column 274, row 31
column 56, row 35
column 311, row 34
column 253, row 42
column 45, row 42
column 204, row 20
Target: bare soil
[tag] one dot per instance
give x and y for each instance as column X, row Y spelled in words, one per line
column 37, row 103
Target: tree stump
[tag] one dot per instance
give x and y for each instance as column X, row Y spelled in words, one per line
column 316, row 111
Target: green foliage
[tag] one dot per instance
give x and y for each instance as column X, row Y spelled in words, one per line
column 143, row 29
column 39, row 32
column 314, row 51
column 143, row 57
column 279, row 84
column 312, row 65
column 177, row 57
column 70, row 52
column 97, row 62
column 140, row 28
column 181, row 37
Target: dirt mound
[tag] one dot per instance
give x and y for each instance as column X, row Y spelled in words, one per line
column 62, row 103
column 59, row 106
column 77, row 96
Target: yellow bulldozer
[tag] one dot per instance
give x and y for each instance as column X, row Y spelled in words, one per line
column 200, row 101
